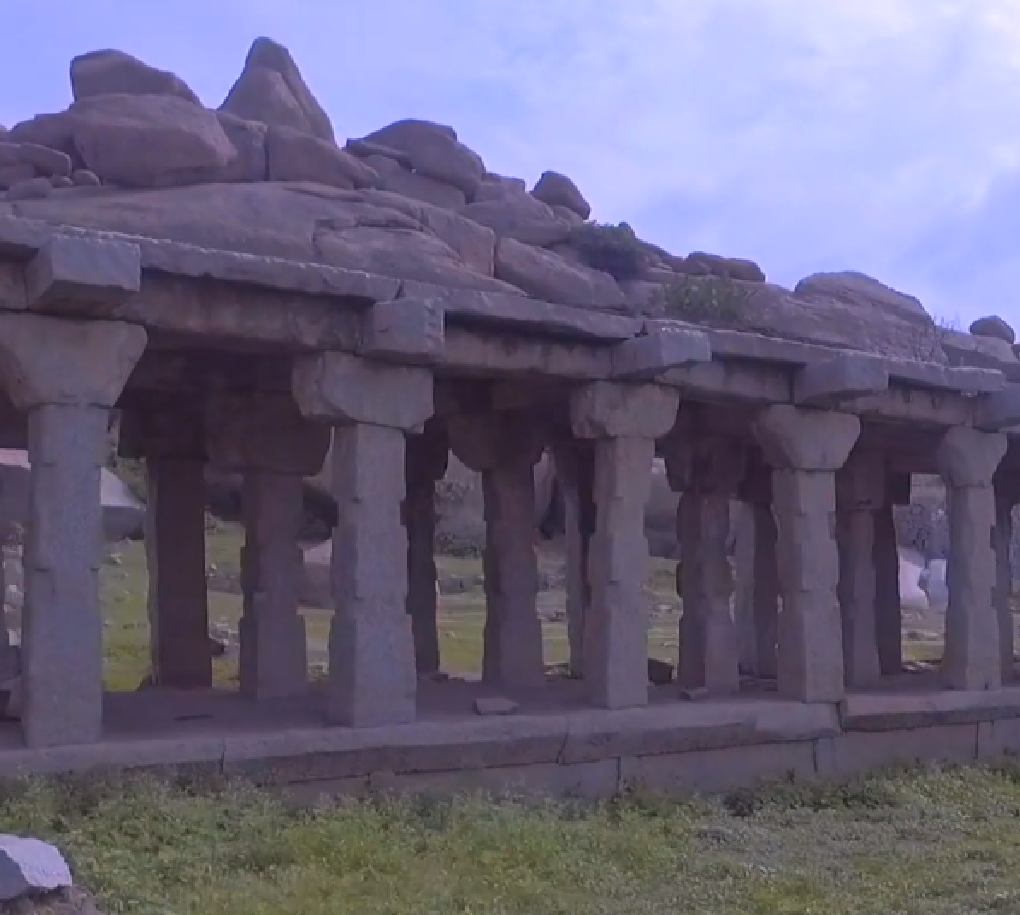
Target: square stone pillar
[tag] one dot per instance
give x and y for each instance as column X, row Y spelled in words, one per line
column 167, row 432
column 263, row 436
column 504, row 447
column 178, row 606
column 708, row 470
column 66, row 375
column 425, row 464
column 624, row 421
column 371, row 406
column 805, row 448
column 967, row 460
column 886, row 559
column 575, row 472
column 1007, row 497
column 756, row 599
column 860, row 493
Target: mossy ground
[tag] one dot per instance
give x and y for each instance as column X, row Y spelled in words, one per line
column 918, row 843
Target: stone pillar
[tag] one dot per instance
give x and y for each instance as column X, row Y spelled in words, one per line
column 371, row 406
column 805, row 448
column 624, row 421
column 575, row 471
column 860, row 493
column 424, row 466
column 756, row 603
column 886, row 559
column 709, row 471
column 180, row 650
column 967, row 460
column 1007, row 496
column 504, row 447
column 263, row 436
column 167, row 432
column 66, row 375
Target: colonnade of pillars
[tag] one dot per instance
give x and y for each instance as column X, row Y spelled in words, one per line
column 819, row 622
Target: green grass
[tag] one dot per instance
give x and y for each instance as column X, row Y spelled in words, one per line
column 920, row 843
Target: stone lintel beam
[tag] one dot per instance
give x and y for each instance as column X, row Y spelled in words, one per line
column 87, row 276
column 407, row 331
column 162, row 426
column 341, row 389
column 998, row 411
column 705, row 464
column 646, row 357
column 56, row 361
column 264, row 433
column 605, row 410
column 795, row 438
column 842, row 377
column 452, row 397
column 526, row 395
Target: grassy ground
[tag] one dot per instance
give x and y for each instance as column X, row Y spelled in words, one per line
column 123, row 582
column 922, row 843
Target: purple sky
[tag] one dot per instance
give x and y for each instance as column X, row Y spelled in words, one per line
column 877, row 135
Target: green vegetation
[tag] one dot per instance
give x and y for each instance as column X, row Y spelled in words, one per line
column 713, row 300
column 918, row 843
column 616, row 250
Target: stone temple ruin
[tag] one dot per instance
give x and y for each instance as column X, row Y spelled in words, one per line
column 244, row 293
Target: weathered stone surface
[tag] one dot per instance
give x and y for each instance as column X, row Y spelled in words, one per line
column 45, row 161
column 358, row 230
column 74, row 272
column 249, row 139
column 547, row 276
column 606, row 410
column 520, row 217
column 81, row 363
column 434, row 151
column 643, row 358
column 963, row 349
column 394, row 177
column 111, row 72
column 803, row 439
column 843, row 376
column 701, row 263
column 272, row 90
column 11, row 175
column 994, row 327
column 147, row 140
column 30, row 189
column 404, row 330
column 82, row 177
column 339, row 388
column 496, row 187
column 859, row 290
column 296, row 156
column 30, row 867
column 557, row 189
column 364, row 149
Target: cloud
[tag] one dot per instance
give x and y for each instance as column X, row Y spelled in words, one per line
column 880, row 135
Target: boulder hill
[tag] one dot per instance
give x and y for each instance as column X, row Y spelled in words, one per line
column 137, row 152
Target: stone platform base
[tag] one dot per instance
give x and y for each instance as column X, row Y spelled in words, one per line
column 560, row 750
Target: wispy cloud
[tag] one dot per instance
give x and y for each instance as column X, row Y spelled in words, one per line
column 881, row 135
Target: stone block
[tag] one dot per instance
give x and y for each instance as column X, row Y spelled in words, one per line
column 408, row 331
column 968, row 457
column 999, row 410
column 83, row 275
column 644, row 358
column 840, row 378
column 607, row 410
column 47, row 360
column 805, row 439
column 482, row 441
column 339, row 388
column 263, row 432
